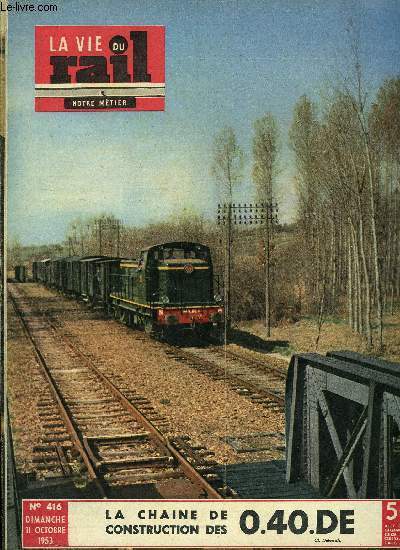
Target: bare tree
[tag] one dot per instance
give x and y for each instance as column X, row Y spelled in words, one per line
column 265, row 153
column 99, row 234
column 227, row 167
column 348, row 165
column 384, row 123
column 14, row 254
column 304, row 140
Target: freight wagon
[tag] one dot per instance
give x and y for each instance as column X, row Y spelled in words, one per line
column 168, row 289
column 21, row 274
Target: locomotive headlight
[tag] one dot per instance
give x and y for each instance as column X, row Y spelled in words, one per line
column 164, row 299
column 218, row 298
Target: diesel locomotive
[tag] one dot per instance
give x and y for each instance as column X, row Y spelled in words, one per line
column 168, row 289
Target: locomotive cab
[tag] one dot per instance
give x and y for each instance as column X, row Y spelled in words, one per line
column 170, row 288
column 181, row 274
column 181, row 287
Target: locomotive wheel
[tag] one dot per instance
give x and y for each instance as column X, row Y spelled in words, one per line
column 218, row 334
column 133, row 321
column 204, row 331
column 149, row 327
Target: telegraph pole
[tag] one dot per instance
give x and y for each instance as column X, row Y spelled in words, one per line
column 118, row 236
column 100, row 236
column 264, row 214
column 271, row 217
column 115, row 227
column 228, row 267
column 225, row 218
column 267, row 277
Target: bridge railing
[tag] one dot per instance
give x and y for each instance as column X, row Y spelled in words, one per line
column 343, row 424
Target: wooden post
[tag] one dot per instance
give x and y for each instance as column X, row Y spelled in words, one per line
column 118, row 237
column 100, row 238
column 268, row 211
column 228, row 270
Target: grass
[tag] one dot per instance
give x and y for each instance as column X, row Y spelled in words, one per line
column 287, row 349
column 301, row 336
column 327, row 319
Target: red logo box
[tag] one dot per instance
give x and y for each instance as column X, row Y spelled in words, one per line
column 44, row 523
column 106, row 68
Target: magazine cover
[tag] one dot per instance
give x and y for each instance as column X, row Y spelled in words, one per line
column 200, row 273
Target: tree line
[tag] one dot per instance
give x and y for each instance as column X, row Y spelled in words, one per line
column 344, row 256
column 348, row 167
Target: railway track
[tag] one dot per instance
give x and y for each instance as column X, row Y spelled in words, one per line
column 254, row 379
column 98, row 431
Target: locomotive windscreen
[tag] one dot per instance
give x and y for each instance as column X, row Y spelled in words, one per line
column 184, row 274
column 175, row 253
column 182, row 288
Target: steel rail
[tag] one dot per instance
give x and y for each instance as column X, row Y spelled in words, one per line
column 157, row 437
column 148, row 425
column 77, row 441
column 253, row 362
column 230, row 377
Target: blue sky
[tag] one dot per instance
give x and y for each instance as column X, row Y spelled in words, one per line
column 228, row 62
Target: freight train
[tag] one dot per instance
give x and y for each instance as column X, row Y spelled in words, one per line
column 167, row 290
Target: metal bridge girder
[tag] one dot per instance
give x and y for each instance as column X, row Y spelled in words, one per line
column 341, row 413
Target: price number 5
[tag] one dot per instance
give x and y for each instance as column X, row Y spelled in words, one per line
column 392, row 510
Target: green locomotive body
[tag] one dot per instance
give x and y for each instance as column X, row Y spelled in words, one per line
column 169, row 288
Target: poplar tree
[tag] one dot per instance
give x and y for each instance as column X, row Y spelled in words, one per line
column 265, row 155
column 227, row 165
